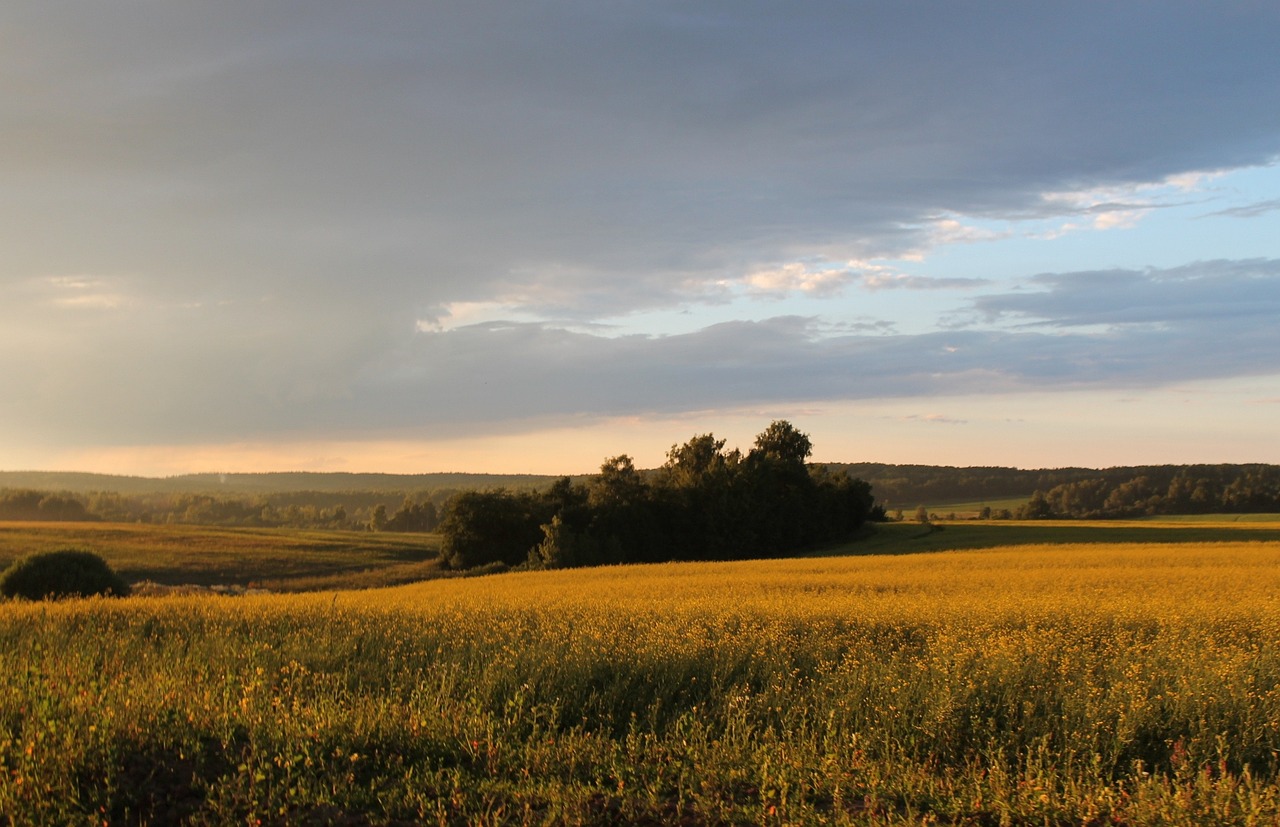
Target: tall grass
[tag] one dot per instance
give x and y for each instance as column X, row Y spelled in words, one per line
column 1066, row 685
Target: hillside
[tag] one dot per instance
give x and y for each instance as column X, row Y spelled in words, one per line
column 413, row 502
column 268, row 483
column 906, row 486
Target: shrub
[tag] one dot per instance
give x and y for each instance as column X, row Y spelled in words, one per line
column 67, row 572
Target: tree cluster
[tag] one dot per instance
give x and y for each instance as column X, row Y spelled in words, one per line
column 704, row 503
column 903, row 487
column 216, row 510
column 1196, row 489
column 411, row 516
column 360, row 510
column 1144, row 489
column 40, row 505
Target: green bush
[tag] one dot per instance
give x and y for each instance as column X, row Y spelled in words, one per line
column 68, row 572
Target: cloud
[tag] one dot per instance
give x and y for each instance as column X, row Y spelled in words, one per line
column 87, row 292
column 1118, row 219
column 482, row 371
column 827, row 280
column 623, row 154
column 1114, row 205
column 1106, row 329
column 902, row 281
column 1248, row 210
column 798, row 277
column 933, row 419
column 955, row 231
column 420, row 216
column 1204, row 293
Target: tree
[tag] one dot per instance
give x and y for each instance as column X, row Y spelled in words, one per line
column 1037, row 508
column 780, row 490
column 378, row 521
column 1177, row 499
column 841, row 504
column 564, row 547
column 569, row 501
column 622, row 515
column 1129, row 497
column 619, row 483
column 699, row 462
column 1082, row 498
column 701, row 499
column 37, row 505
column 704, row 503
column 782, row 442
column 481, row 527
column 412, row 516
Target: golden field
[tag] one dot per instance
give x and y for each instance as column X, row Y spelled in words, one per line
column 1079, row 683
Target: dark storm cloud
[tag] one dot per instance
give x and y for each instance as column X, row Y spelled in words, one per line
column 445, row 154
column 226, row 219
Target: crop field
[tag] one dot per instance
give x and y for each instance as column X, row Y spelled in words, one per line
column 1054, row 682
column 914, row 538
column 272, row 558
column 1220, row 518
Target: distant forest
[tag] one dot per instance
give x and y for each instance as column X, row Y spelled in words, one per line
column 416, row 502
column 1078, row 492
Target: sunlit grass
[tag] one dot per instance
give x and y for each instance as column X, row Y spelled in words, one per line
column 969, row 508
column 1218, row 519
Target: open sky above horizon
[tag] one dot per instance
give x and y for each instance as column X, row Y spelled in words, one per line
column 502, row 237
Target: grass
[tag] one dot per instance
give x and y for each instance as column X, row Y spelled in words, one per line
column 271, row 558
column 301, row 560
column 1055, row 682
column 971, row 508
column 1219, row 518
column 913, row 538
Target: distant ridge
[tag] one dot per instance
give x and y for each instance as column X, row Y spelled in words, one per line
column 905, row 486
column 264, row 483
column 894, row 486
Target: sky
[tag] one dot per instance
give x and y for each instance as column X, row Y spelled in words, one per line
column 477, row 236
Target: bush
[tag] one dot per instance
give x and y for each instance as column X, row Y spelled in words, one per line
column 68, row 572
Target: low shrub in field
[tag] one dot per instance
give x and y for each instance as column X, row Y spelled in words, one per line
column 68, row 572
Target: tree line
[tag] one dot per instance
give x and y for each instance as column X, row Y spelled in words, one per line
column 1225, row 487
column 1195, row 489
column 41, row 505
column 1063, row 492
column 374, row 511
column 704, row 503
